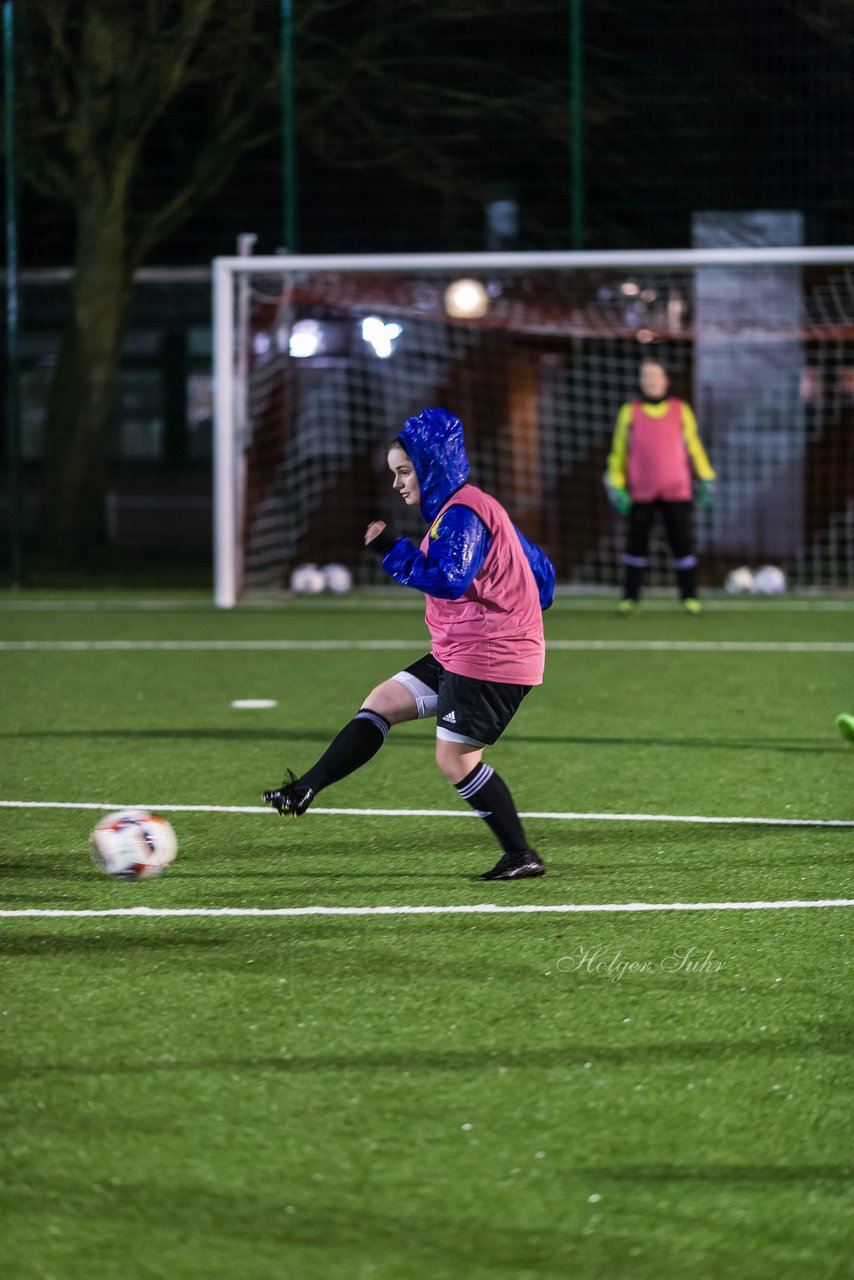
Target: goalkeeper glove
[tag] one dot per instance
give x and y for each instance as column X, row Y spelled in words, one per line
column 706, row 495
column 618, row 498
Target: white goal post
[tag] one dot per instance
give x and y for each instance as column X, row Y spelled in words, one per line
column 318, row 360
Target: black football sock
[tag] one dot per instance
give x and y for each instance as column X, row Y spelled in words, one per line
column 488, row 795
column 356, row 744
column 687, row 579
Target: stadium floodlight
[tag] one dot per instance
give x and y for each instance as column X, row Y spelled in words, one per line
column 380, row 336
column 757, row 339
column 466, row 299
column 305, row 340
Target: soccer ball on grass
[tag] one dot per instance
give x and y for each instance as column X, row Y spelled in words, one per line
column 337, row 578
column 133, row 844
column 307, row 580
column 769, row 580
column 740, row 582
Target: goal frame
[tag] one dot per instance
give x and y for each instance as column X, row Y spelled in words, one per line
column 227, row 377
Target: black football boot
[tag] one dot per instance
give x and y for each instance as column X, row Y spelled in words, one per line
column 291, row 797
column 516, row 866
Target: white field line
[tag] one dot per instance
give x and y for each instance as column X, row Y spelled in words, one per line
column 296, row 646
column 483, row 908
column 565, row 602
column 101, row 606
column 317, row 811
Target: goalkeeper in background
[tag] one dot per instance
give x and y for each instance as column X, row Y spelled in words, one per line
column 655, row 449
column 486, row 587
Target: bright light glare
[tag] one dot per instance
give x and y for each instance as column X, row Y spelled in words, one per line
column 380, row 336
column 466, row 299
column 306, row 339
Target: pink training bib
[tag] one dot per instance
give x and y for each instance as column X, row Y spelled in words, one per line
column 658, row 465
column 495, row 630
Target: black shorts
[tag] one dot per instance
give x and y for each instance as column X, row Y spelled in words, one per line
column 466, row 710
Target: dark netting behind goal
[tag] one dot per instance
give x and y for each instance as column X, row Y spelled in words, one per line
column 329, row 364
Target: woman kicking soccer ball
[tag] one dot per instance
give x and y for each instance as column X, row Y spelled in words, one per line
column 486, row 587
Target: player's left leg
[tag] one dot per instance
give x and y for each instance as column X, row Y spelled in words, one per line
column 679, row 528
column 480, row 710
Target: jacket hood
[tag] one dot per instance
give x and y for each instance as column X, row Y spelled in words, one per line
column 434, row 442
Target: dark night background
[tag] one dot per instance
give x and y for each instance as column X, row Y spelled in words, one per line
column 410, row 119
column 699, row 105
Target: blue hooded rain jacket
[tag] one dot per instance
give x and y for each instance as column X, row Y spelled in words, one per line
column 434, row 442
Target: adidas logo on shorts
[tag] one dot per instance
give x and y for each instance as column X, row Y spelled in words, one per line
column 450, row 718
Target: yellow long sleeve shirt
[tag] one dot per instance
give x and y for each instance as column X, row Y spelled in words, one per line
column 618, row 456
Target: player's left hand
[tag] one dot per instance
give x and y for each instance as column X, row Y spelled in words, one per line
column 707, row 493
column 374, row 530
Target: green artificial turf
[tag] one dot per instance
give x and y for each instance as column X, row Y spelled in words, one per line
column 476, row 1096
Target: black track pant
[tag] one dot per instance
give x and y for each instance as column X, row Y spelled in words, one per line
column 678, row 519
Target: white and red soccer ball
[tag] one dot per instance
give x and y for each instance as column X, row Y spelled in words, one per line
column 133, row 844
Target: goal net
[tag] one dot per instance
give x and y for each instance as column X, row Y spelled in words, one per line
column 320, row 360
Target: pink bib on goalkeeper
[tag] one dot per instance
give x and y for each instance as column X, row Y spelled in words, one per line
column 658, row 465
column 495, row 630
